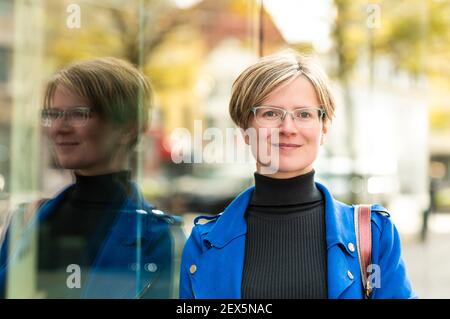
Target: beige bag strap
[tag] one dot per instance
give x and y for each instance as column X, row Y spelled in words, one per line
column 363, row 231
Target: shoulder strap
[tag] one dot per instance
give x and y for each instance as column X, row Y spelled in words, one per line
column 363, row 233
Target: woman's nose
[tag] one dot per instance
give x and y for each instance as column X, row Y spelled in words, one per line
column 288, row 125
column 60, row 125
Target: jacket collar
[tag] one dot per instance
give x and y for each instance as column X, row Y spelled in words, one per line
column 131, row 212
column 134, row 200
column 342, row 261
column 337, row 219
column 231, row 222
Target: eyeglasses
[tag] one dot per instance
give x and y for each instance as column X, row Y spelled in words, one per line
column 76, row 116
column 270, row 116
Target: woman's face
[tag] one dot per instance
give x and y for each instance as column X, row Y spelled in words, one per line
column 91, row 149
column 292, row 150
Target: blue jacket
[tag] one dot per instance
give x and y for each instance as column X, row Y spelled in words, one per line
column 213, row 257
column 138, row 258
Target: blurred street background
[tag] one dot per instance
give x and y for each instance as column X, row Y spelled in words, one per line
column 388, row 61
column 428, row 261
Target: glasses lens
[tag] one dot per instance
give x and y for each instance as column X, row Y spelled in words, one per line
column 78, row 116
column 74, row 117
column 307, row 117
column 306, row 114
column 47, row 116
column 268, row 116
column 273, row 117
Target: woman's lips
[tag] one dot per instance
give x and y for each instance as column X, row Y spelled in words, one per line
column 66, row 146
column 287, row 145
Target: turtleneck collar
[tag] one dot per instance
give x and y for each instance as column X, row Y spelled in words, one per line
column 112, row 187
column 281, row 192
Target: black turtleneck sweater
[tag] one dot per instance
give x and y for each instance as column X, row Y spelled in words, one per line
column 285, row 248
column 76, row 230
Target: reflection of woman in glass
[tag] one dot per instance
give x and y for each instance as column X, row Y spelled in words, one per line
column 93, row 115
column 287, row 237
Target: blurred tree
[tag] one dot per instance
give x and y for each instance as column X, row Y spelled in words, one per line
column 129, row 29
column 414, row 35
column 348, row 35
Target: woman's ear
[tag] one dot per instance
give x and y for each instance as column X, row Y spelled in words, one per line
column 245, row 135
column 128, row 137
column 324, row 133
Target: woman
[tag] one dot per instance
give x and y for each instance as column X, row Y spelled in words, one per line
column 287, row 237
column 93, row 115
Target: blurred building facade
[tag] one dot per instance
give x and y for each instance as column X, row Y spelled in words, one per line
column 389, row 139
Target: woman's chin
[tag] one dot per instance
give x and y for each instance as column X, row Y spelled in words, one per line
column 293, row 170
column 68, row 164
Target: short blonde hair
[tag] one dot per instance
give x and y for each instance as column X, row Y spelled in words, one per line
column 259, row 80
column 114, row 88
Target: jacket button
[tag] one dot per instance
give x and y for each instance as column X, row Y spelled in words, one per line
column 351, row 247
column 151, row 267
column 134, row 266
column 193, row 269
column 208, row 244
column 350, row 275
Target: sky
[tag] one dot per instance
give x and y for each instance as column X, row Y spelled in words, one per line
column 303, row 20
column 298, row 20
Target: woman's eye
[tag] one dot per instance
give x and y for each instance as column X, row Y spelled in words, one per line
column 305, row 115
column 270, row 114
column 52, row 115
column 78, row 114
